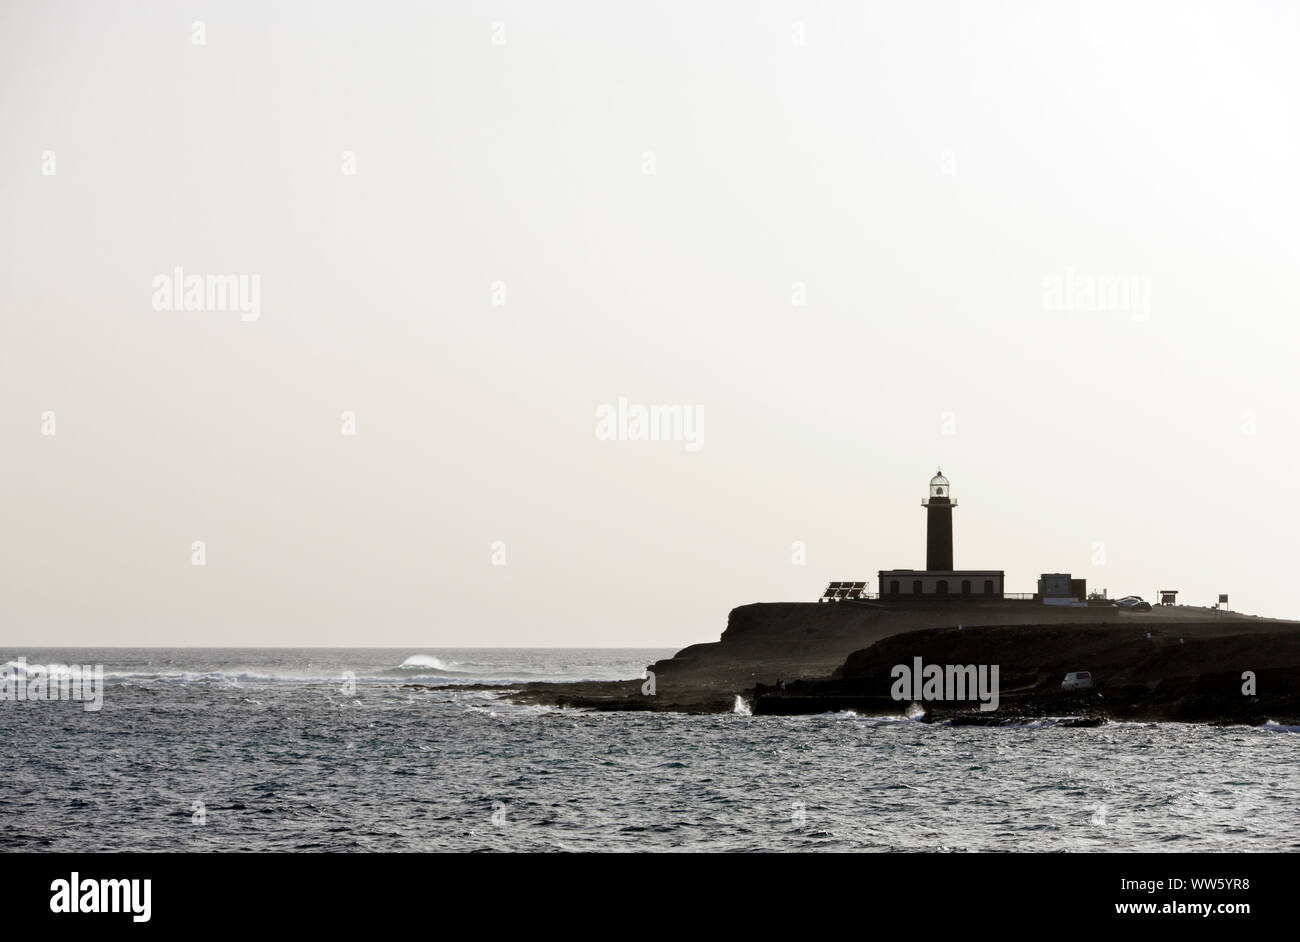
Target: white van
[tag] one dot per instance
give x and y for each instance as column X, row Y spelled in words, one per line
column 1079, row 680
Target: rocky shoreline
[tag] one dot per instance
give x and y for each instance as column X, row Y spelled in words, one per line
column 1176, row 664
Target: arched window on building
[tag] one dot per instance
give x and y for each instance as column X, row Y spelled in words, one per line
column 988, row 586
column 893, row 586
column 941, row 587
column 916, row 586
column 965, row 587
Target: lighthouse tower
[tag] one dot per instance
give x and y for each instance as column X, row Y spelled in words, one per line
column 938, row 530
column 938, row 580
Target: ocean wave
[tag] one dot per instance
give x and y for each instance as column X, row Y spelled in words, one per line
column 416, row 661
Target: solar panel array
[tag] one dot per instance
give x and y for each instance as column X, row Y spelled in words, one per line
column 838, row 591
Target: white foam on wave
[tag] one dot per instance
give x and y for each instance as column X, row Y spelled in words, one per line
column 741, row 708
column 914, row 714
column 875, row 719
column 429, row 662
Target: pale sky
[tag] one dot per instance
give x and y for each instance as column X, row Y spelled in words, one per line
column 860, row 239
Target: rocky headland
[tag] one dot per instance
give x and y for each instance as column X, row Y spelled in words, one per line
column 1175, row 663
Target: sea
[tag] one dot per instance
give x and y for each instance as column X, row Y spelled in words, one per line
column 380, row 749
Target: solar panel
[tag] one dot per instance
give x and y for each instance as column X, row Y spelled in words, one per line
column 837, row 591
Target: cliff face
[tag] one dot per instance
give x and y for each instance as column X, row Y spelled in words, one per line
column 1185, row 670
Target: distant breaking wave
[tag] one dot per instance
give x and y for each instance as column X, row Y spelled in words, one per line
column 429, row 662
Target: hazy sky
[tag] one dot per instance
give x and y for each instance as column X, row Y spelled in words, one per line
column 1050, row 247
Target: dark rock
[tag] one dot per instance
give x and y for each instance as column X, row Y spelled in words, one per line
column 839, row 656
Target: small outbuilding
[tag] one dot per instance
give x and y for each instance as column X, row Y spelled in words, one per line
column 1055, row 588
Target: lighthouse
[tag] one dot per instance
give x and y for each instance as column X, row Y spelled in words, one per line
column 938, row 525
column 938, row 581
